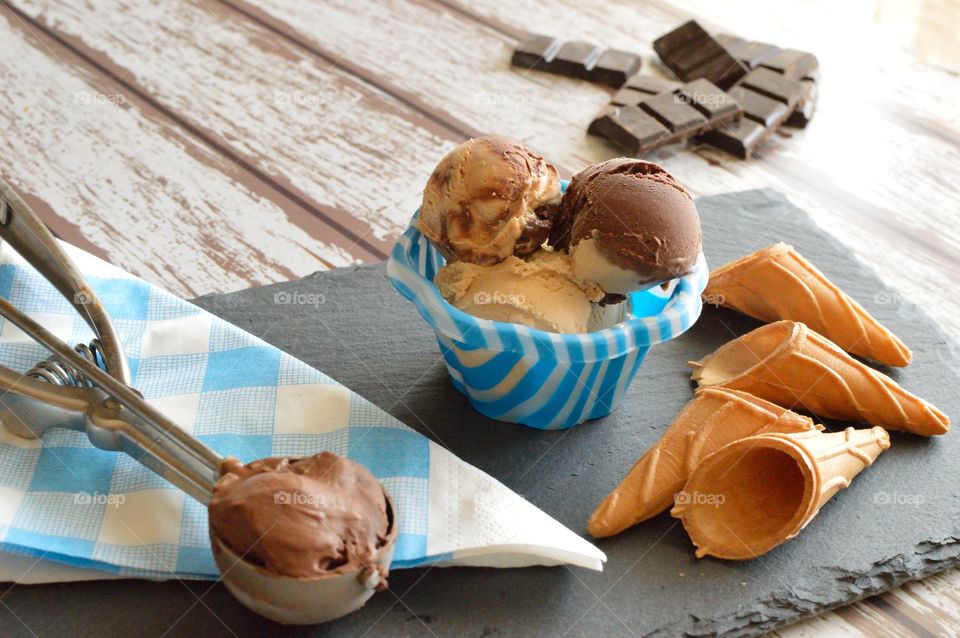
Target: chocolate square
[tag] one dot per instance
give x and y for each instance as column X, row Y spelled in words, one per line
column 535, row 51
column 692, row 53
column 628, row 96
column 791, row 63
column 574, row 59
column 614, row 67
column 715, row 104
column 739, row 138
column 629, row 128
column 759, row 108
column 651, row 84
column 774, row 86
column 670, row 110
column 807, row 106
column 753, row 53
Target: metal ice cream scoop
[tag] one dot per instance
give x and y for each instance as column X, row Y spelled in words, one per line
column 87, row 388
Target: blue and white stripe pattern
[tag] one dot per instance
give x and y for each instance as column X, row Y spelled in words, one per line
column 545, row 380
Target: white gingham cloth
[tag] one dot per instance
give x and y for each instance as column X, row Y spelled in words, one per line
column 63, row 500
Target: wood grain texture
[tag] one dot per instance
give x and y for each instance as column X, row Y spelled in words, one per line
column 892, row 110
column 215, row 144
column 350, row 153
column 460, row 65
column 872, row 168
column 876, row 167
column 110, row 173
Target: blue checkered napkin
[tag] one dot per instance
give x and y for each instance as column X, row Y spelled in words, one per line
column 61, row 499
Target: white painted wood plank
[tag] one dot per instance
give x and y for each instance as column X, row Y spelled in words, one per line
column 324, row 134
column 149, row 198
column 455, row 65
column 878, row 165
column 881, row 209
column 463, row 67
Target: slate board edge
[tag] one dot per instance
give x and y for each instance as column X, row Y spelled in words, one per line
column 930, row 556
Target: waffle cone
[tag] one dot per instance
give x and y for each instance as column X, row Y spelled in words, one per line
column 712, row 419
column 777, row 283
column 756, row 493
column 789, row 364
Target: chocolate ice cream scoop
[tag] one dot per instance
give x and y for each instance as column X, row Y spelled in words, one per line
column 489, row 198
column 301, row 517
column 628, row 224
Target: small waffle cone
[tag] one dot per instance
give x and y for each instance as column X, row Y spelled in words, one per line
column 756, row 493
column 789, row 364
column 777, row 283
column 712, row 419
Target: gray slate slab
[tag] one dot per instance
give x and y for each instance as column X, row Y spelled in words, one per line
column 900, row 520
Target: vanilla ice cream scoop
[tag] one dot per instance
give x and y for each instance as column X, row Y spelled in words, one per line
column 540, row 292
column 488, row 199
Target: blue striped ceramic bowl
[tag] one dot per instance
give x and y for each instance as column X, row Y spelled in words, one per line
column 544, row 380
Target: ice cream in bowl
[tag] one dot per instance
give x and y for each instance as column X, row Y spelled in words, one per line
column 546, row 297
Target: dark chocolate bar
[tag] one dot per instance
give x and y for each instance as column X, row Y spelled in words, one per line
column 692, row 53
column 767, row 99
column 668, row 117
column 576, row 59
column 797, row 65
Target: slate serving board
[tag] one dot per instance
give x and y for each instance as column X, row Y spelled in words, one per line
column 899, row 520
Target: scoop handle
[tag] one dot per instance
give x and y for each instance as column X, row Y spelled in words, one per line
column 28, row 235
column 119, row 419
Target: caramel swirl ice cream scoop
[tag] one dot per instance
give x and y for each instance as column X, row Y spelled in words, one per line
column 488, row 199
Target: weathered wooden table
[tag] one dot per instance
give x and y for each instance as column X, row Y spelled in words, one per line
column 212, row 145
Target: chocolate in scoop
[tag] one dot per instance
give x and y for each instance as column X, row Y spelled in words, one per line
column 301, row 517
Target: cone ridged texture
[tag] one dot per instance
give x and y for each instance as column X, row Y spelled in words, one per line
column 756, row 493
column 791, row 365
column 777, row 283
column 712, row 419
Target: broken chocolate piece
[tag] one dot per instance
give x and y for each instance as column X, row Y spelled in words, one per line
column 796, row 65
column 692, row 53
column 576, row 59
column 767, row 99
column 665, row 118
